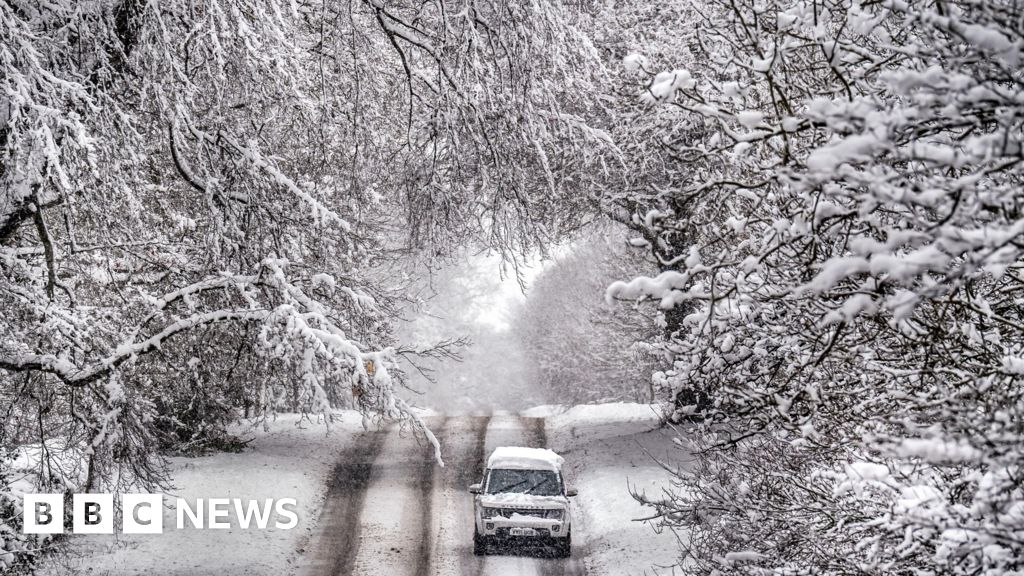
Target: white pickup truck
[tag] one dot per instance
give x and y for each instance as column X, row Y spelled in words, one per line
column 523, row 500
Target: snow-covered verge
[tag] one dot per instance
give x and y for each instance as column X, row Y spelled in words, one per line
column 22, row 470
column 610, row 452
column 13, row 487
column 288, row 458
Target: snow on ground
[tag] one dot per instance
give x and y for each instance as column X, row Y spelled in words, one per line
column 608, row 450
column 291, row 459
column 543, row 411
column 594, row 422
column 64, row 463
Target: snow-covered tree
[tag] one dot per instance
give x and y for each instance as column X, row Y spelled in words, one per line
column 199, row 200
column 848, row 189
column 578, row 348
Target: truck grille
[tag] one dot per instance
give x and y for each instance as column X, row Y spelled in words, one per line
column 509, row 512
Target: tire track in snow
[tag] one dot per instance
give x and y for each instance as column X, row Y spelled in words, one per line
column 395, row 525
column 462, row 440
column 536, row 437
column 428, row 524
column 472, row 472
column 338, row 529
column 427, row 473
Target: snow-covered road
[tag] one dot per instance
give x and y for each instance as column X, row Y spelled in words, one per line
column 374, row 503
column 391, row 511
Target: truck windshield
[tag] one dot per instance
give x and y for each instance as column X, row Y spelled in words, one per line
column 535, row 482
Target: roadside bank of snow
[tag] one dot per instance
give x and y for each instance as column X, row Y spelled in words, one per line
column 593, row 422
column 288, row 459
column 608, row 450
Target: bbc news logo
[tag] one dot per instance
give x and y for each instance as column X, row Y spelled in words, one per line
column 143, row 513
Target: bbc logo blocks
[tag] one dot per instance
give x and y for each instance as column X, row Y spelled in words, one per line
column 144, row 513
column 90, row 514
column 43, row 514
column 93, row 514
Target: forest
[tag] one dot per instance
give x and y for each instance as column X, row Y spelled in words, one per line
column 798, row 224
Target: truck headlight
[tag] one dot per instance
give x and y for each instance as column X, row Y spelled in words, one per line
column 489, row 512
column 555, row 514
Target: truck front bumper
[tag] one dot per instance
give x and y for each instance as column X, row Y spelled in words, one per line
column 538, row 529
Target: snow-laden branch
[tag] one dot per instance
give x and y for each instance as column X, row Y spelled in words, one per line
column 74, row 375
column 251, row 154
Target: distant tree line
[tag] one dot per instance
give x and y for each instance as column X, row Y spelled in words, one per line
column 579, row 348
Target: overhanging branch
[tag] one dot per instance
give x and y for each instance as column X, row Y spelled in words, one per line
column 72, row 375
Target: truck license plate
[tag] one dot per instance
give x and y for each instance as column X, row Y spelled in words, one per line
column 523, row 532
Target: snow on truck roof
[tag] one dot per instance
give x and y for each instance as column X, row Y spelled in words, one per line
column 516, row 457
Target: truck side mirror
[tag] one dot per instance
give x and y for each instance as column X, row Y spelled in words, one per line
column 571, row 492
column 475, row 488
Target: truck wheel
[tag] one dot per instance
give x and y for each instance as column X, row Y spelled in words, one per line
column 564, row 546
column 479, row 544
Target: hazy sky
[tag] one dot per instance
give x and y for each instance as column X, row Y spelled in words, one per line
column 497, row 297
column 474, row 299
